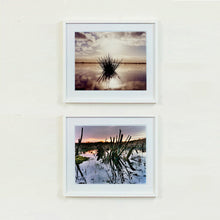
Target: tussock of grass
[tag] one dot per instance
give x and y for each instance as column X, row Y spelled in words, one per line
column 108, row 65
column 117, row 157
column 79, row 159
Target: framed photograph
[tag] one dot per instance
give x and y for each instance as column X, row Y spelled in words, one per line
column 110, row 157
column 109, row 62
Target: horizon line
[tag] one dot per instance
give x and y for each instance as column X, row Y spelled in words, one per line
column 92, row 62
column 108, row 141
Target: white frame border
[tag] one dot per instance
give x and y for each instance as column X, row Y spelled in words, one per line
column 155, row 186
column 100, row 100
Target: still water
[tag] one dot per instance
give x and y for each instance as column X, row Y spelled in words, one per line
column 130, row 77
column 96, row 172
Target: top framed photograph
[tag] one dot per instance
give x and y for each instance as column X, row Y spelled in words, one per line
column 109, row 62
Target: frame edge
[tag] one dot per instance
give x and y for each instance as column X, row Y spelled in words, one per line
column 154, row 100
column 154, row 194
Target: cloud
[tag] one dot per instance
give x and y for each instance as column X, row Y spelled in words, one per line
column 97, row 133
column 137, row 34
column 97, row 43
column 126, row 38
column 79, row 35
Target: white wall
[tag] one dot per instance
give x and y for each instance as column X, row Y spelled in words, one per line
column 31, row 108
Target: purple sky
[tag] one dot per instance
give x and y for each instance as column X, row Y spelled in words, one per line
column 100, row 133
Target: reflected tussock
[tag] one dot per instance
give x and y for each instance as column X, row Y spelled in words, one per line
column 132, row 77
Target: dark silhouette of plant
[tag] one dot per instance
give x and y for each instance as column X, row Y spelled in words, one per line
column 118, row 157
column 108, row 65
column 79, row 141
column 79, row 159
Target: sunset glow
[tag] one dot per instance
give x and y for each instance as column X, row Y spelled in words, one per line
column 129, row 46
column 94, row 134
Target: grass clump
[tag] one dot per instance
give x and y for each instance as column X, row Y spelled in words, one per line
column 108, row 65
column 118, row 157
column 79, row 159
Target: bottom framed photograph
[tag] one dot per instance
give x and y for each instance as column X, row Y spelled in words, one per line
column 110, row 156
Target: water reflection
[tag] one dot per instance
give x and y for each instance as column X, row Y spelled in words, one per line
column 132, row 77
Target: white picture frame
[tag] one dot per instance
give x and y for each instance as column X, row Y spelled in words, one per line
column 71, row 95
column 73, row 189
